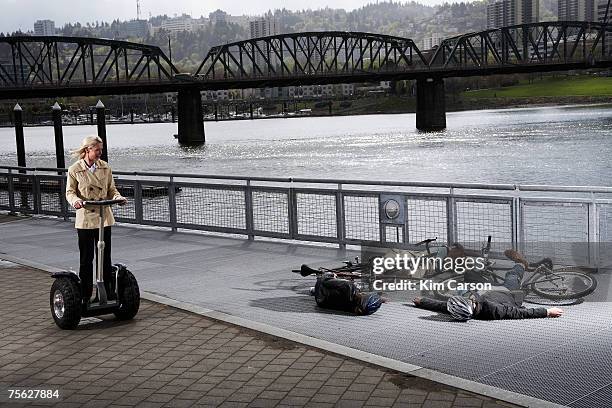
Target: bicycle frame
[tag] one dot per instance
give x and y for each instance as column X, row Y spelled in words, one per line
column 543, row 274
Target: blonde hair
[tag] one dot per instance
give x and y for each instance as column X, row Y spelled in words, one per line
column 88, row 142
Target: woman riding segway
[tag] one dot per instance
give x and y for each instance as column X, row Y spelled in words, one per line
column 91, row 190
column 91, row 179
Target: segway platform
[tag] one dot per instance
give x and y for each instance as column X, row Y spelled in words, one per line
column 66, row 299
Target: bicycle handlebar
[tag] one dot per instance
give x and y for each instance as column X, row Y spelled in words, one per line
column 487, row 248
column 426, row 241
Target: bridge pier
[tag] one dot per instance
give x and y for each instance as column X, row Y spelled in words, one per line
column 431, row 108
column 190, row 120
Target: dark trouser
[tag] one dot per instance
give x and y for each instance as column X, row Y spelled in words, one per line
column 514, row 277
column 512, row 280
column 88, row 241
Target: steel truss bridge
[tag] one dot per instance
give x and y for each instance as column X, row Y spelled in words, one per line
column 38, row 66
column 65, row 66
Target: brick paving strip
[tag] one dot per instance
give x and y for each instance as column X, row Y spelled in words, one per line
column 173, row 358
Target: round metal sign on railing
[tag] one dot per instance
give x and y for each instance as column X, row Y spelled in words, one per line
column 391, row 209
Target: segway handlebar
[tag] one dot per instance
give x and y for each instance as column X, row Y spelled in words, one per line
column 102, row 202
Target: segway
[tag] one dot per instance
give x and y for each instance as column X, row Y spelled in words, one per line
column 67, row 303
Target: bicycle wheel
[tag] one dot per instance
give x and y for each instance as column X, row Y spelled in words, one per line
column 564, row 283
column 442, row 289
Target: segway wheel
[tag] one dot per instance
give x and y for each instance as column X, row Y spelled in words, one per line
column 65, row 301
column 129, row 296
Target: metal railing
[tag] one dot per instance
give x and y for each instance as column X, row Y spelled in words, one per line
column 535, row 218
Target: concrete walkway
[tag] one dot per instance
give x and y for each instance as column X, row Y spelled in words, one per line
column 172, row 358
column 563, row 361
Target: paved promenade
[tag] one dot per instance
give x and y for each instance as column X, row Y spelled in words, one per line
column 172, row 358
column 538, row 362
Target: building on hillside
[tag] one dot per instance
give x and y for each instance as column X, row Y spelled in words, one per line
column 219, row 95
column 44, row 27
column 503, row 13
column 218, row 16
column 429, row 42
column 345, row 90
column 199, row 24
column 577, row 10
column 600, row 9
column 242, row 21
column 137, row 28
column 263, row 27
column 178, row 24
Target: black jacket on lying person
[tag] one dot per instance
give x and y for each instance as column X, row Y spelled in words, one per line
column 492, row 305
column 337, row 294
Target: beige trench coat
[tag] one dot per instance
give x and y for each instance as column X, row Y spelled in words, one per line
column 85, row 185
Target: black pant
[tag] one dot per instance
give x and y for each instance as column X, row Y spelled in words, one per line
column 88, row 241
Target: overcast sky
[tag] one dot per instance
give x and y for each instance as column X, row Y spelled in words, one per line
column 21, row 14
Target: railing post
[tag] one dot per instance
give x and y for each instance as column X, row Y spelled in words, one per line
column 172, row 203
column 405, row 228
column 340, row 227
column 62, row 198
column 520, row 226
column 248, row 202
column 451, row 217
column 593, row 234
column 36, row 198
column 382, row 231
column 515, row 217
column 293, row 221
column 11, row 192
column 138, row 201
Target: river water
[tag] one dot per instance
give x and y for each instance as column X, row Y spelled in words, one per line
column 570, row 145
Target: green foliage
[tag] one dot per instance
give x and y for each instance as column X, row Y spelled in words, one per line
column 560, row 86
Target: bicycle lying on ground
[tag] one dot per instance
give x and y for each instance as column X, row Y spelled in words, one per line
column 352, row 270
column 545, row 280
column 356, row 270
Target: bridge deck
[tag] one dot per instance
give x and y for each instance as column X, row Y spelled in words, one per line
column 564, row 361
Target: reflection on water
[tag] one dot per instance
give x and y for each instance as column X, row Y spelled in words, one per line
column 552, row 145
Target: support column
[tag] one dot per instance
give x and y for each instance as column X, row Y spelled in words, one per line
column 21, row 158
column 190, row 120
column 431, row 108
column 22, row 184
column 101, row 120
column 59, row 136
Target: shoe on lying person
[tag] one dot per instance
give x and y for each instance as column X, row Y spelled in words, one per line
column 517, row 257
